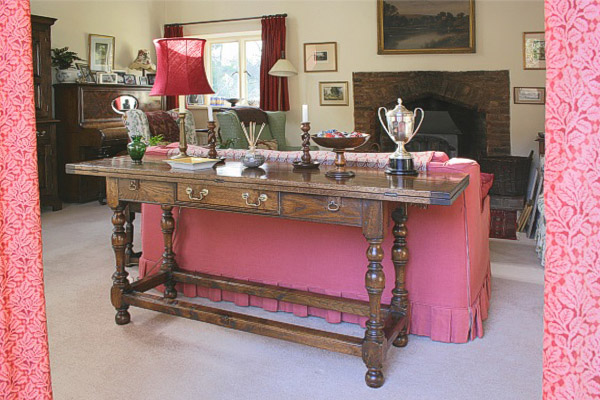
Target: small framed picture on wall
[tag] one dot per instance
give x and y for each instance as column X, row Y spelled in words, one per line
column 530, row 95
column 534, row 50
column 320, row 57
column 333, row 93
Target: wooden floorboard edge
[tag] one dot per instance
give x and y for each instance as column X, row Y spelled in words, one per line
column 294, row 333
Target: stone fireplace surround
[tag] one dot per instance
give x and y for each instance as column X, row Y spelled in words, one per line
column 486, row 92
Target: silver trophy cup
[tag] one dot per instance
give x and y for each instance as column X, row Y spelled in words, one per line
column 400, row 126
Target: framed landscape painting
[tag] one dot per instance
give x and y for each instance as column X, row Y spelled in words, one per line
column 425, row 26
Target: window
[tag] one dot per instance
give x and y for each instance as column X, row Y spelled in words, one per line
column 233, row 67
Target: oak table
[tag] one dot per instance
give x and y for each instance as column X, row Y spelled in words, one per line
column 275, row 191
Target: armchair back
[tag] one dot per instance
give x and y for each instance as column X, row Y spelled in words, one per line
column 137, row 124
column 231, row 130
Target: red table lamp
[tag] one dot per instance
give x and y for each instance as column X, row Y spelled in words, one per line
column 180, row 72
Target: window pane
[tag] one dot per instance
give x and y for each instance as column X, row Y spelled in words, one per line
column 253, row 54
column 225, row 67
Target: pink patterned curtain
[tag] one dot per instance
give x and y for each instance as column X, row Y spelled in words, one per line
column 24, row 361
column 572, row 201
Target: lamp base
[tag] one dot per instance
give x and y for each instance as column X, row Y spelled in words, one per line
column 401, row 166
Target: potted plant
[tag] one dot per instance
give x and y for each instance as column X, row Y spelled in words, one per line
column 63, row 60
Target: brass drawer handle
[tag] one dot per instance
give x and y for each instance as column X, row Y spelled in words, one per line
column 333, row 206
column 134, row 185
column 262, row 198
column 190, row 193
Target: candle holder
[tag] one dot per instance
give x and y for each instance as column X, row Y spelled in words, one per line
column 306, row 161
column 212, row 140
column 182, row 138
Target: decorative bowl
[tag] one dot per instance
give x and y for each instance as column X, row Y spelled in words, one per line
column 339, row 144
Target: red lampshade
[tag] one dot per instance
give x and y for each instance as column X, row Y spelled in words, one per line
column 180, row 67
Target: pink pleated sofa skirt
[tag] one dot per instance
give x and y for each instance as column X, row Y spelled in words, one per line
column 448, row 274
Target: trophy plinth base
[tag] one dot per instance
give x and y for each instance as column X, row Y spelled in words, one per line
column 401, row 166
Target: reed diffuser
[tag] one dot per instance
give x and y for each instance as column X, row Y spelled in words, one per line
column 251, row 158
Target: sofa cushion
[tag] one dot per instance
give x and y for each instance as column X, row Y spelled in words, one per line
column 161, row 123
column 487, row 180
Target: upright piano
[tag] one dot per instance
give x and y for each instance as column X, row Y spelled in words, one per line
column 92, row 128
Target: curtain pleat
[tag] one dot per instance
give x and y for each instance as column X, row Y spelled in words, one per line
column 173, row 31
column 24, row 360
column 273, row 90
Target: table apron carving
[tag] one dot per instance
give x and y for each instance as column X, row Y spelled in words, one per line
column 386, row 325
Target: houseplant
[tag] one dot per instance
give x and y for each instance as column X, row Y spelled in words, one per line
column 63, row 60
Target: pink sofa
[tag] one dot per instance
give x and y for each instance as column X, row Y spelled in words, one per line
column 448, row 275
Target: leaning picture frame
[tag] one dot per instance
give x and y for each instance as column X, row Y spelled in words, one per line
column 425, row 27
column 86, row 74
column 107, row 78
column 534, row 50
column 320, row 57
column 194, row 100
column 101, row 52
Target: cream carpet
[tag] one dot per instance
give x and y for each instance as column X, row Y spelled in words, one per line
column 163, row 357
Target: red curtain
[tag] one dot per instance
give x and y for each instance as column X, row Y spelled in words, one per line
column 172, row 31
column 24, row 360
column 572, row 201
column 273, row 90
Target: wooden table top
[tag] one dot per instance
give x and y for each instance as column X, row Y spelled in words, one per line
column 369, row 183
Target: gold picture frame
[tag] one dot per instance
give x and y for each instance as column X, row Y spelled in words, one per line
column 534, row 50
column 320, row 57
column 101, row 52
column 433, row 36
column 334, row 93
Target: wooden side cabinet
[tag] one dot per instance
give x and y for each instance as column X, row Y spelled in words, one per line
column 45, row 124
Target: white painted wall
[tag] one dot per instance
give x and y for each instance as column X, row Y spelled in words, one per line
column 351, row 23
column 133, row 24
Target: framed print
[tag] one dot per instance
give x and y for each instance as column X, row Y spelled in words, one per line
column 433, row 26
column 530, row 95
column 151, row 78
column 86, row 74
column 129, row 79
column 333, row 93
column 101, row 50
column 195, row 100
column 534, row 50
column 320, row 57
column 107, row 79
column 143, row 80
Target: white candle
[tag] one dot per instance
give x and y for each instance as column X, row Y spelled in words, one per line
column 305, row 113
column 181, row 104
column 210, row 113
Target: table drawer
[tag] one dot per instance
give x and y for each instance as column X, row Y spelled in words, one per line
column 240, row 198
column 146, row 191
column 322, row 208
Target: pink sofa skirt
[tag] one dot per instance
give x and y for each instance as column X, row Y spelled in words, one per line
column 448, row 275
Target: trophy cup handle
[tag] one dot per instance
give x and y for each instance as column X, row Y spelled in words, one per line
column 381, row 120
column 420, row 122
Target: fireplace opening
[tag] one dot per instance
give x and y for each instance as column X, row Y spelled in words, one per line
column 456, row 130
column 467, row 113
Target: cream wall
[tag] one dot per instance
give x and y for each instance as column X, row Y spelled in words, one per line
column 353, row 25
column 350, row 23
column 133, row 24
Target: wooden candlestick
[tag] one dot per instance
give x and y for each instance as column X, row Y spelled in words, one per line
column 306, row 161
column 212, row 140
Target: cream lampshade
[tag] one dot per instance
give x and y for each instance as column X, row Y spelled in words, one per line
column 143, row 62
column 283, row 68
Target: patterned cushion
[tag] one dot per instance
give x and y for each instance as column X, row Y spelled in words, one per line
column 161, row 123
column 189, row 123
column 137, row 124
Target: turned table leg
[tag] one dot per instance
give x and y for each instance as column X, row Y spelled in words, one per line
column 373, row 345
column 120, row 281
column 400, row 259
column 167, row 224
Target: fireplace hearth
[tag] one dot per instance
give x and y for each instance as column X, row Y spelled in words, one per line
column 467, row 114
